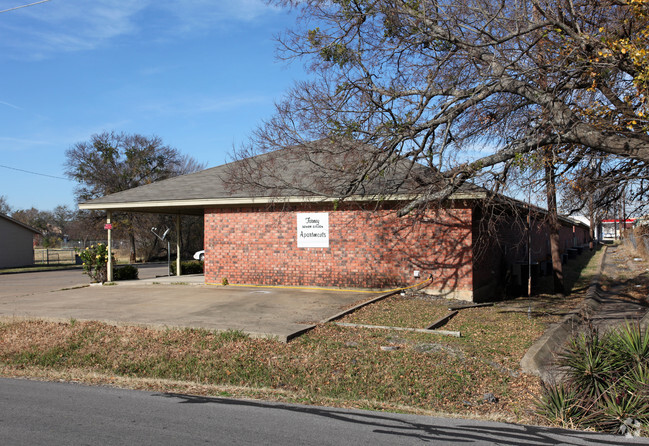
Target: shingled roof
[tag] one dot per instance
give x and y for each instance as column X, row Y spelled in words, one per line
column 320, row 171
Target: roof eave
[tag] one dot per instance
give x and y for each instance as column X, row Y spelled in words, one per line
column 248, row 201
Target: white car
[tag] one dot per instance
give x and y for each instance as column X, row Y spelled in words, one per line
column 199, row 255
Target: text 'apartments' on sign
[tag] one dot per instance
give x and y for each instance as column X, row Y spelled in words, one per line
column 313, row 230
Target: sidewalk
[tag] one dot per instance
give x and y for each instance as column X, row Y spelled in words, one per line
column 617, row 295
column 189, row 279
column 622, row 290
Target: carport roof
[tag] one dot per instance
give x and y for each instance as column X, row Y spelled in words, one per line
column 289, row 175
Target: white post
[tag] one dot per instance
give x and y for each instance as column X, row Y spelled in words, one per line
column 178, row 244
column 109, row 266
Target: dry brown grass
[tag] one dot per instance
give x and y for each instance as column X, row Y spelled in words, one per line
column 331, row 365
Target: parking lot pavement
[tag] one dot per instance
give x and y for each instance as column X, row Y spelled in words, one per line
column 44, row 281
column 269, row 312
column 12, row 285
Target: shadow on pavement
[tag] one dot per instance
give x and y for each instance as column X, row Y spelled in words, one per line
column 424, row 429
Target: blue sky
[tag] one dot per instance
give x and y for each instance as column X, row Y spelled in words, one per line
column 199, row 74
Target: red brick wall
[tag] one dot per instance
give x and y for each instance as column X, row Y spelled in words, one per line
column 500, row 241
column 572, row 236
column 367, row 248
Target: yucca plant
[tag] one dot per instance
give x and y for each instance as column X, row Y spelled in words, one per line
column 606, row 383
column 588, row 363
column 630, row 344
column 619, row 411
column 560, row 405
column 637, row 379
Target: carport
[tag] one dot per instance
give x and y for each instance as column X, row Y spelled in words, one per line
column 146, row 199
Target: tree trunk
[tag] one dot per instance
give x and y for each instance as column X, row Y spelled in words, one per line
column 553, row 217
column 622, row 216
column 131, row 236
column 153, row 249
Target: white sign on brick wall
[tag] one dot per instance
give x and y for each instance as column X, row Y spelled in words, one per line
column 313, row 230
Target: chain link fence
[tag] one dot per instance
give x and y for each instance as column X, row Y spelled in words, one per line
column 638, row 238
column 56, row 256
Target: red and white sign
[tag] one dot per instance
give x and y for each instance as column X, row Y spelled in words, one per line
column 108, row 226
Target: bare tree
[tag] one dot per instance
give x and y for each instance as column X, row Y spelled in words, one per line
column 113, row 162
column 463, row 87
column 457, row 91
column 4, row 206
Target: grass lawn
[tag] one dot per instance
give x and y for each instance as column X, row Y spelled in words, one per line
column 474, row 375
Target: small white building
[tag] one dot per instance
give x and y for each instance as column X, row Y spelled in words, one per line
column 16, row 243
column 610, row 229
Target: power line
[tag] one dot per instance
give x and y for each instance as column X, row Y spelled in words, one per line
column 35, row 173
column 23, row 6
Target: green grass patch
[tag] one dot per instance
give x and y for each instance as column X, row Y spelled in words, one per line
column 398, row 311
column 576, row 273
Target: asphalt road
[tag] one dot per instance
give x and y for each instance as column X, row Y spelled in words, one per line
column 44, row 413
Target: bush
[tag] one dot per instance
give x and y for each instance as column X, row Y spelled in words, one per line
column 95, row 262
column 607, row 383
column 188, row 267
column 561, row 405
column 126, row 272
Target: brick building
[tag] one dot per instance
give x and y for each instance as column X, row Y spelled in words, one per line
column 278, row 232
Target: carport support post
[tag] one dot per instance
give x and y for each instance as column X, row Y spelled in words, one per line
column 178, row 244
column 109, row 266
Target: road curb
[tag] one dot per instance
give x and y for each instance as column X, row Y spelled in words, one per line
column 540, row 357
column 35, row 270
column 356, row 307
column 300, row 332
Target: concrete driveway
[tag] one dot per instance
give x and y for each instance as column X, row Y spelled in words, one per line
column 30, row 283
column 280, row 313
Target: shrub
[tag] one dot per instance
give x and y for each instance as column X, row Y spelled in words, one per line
column 589, row 364
column 188, row 267
column 560, row 405
column 95, row 262
column 126, row 272
column 607, row 383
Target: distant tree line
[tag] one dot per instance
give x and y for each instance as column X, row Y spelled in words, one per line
column 64, row 226
column 111, row 162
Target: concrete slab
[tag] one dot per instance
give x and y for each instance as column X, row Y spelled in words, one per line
column 540, row 358
column 603, row 310
column 269, row 312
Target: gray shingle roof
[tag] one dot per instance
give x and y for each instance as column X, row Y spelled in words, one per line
column 320, row 171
